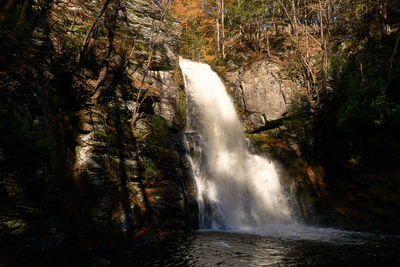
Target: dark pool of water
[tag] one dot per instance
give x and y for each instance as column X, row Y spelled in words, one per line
column 326, row 248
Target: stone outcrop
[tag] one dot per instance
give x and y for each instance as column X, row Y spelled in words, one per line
column 33, row 156
column 128, row 186
column 74, row 173
column 75, row 176
column 262, row 92
column 333, row 193
column 345, row 196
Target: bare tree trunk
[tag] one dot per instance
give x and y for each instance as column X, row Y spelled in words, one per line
column 89, row 32
column 273, row 17
column 156, row 32
column 323, row 44
column 308, row 83
column 223, row 28
column 7, row 10
column 385, row 27
column 396, row 46
column 217, row 25
column 111, row 25
column 292, row 18
column 104, row 71
column 257, row 37
column 10, row 5
column 143, row 93
column 328, row 17
column 268, row 45
column 241, row 33
column 25, row 12
column 294, row 23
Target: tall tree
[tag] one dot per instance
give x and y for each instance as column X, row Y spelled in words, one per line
column 110, row 25
column 25, row 13
column 89, row 32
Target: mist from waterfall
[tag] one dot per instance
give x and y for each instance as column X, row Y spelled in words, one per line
column 236, row 190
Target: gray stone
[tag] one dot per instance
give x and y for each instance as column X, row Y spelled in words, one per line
column 99, row 163
column 143, row 22
column 262, row 92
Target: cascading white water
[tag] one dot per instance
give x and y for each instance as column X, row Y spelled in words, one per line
column 236, row 190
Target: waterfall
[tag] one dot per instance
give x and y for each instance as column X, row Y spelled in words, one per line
column 236, row 190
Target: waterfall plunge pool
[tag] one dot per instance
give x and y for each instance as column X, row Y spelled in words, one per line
column 319, row 247
column 240, row 191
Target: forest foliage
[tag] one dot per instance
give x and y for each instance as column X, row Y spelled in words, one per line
column 344, row 52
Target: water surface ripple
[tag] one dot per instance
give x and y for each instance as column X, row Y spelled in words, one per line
column 238, row 249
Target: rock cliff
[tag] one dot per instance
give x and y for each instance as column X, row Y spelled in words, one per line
column 262, row 92
column 78, row 172
column 325, row 192
column 126, row 189
column 83, row 174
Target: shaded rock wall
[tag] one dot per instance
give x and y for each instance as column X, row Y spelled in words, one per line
column 74, row 173
column 323, row 192
column 35, row 154
column 128, row 181
column 337, row 195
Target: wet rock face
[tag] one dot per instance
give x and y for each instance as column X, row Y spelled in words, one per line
column 262, row 92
